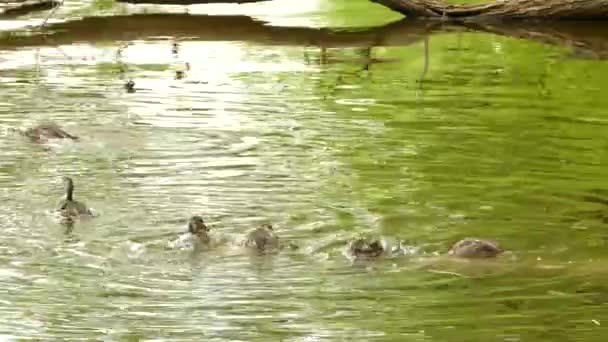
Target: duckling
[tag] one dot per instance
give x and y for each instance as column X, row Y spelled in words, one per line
column 197, row 227
column 129, row 86
column 43, row 132
column 70, row 207
column 365, row 248
column 262, row 238
column 475, row 248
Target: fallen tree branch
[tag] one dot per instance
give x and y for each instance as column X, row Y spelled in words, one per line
column 503, row 9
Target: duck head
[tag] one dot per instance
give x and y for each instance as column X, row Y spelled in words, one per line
column 68, row 184
column 196, row 226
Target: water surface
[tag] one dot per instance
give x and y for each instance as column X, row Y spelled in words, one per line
column 442, row 136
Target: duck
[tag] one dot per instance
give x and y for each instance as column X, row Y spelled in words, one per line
column 474, row 248
column 365, row 248
column 373, row 247
column 44, row 132
column 129, row 86
column 69, row 207
column 198, row 229
column 262, row 238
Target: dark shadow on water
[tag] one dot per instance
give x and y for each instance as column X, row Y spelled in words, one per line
column 210, row 28
column 588, row 40
column 585, row 39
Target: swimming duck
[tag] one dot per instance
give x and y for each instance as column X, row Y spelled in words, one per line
column 262, row 238
column 370, row 247
column 43, row 132
column 70, row 207
column 129, row 86
column 366, row 248
column 475, row 248
column 197, row 227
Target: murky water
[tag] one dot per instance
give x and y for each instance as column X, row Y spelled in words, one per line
column 443, row 134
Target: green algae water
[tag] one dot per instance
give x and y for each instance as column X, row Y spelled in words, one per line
column 426, row 133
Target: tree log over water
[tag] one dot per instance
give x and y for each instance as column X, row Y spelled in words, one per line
column 503, row 9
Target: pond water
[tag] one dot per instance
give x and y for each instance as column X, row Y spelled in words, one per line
column 429, row 136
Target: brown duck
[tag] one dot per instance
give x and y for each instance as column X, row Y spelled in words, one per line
column 475, row 249
column 69, row 207
column 197, row 227
column 262, row 238
column 365, row 248
column 44, row 132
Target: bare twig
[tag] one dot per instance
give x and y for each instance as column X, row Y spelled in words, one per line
column 48, row 16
